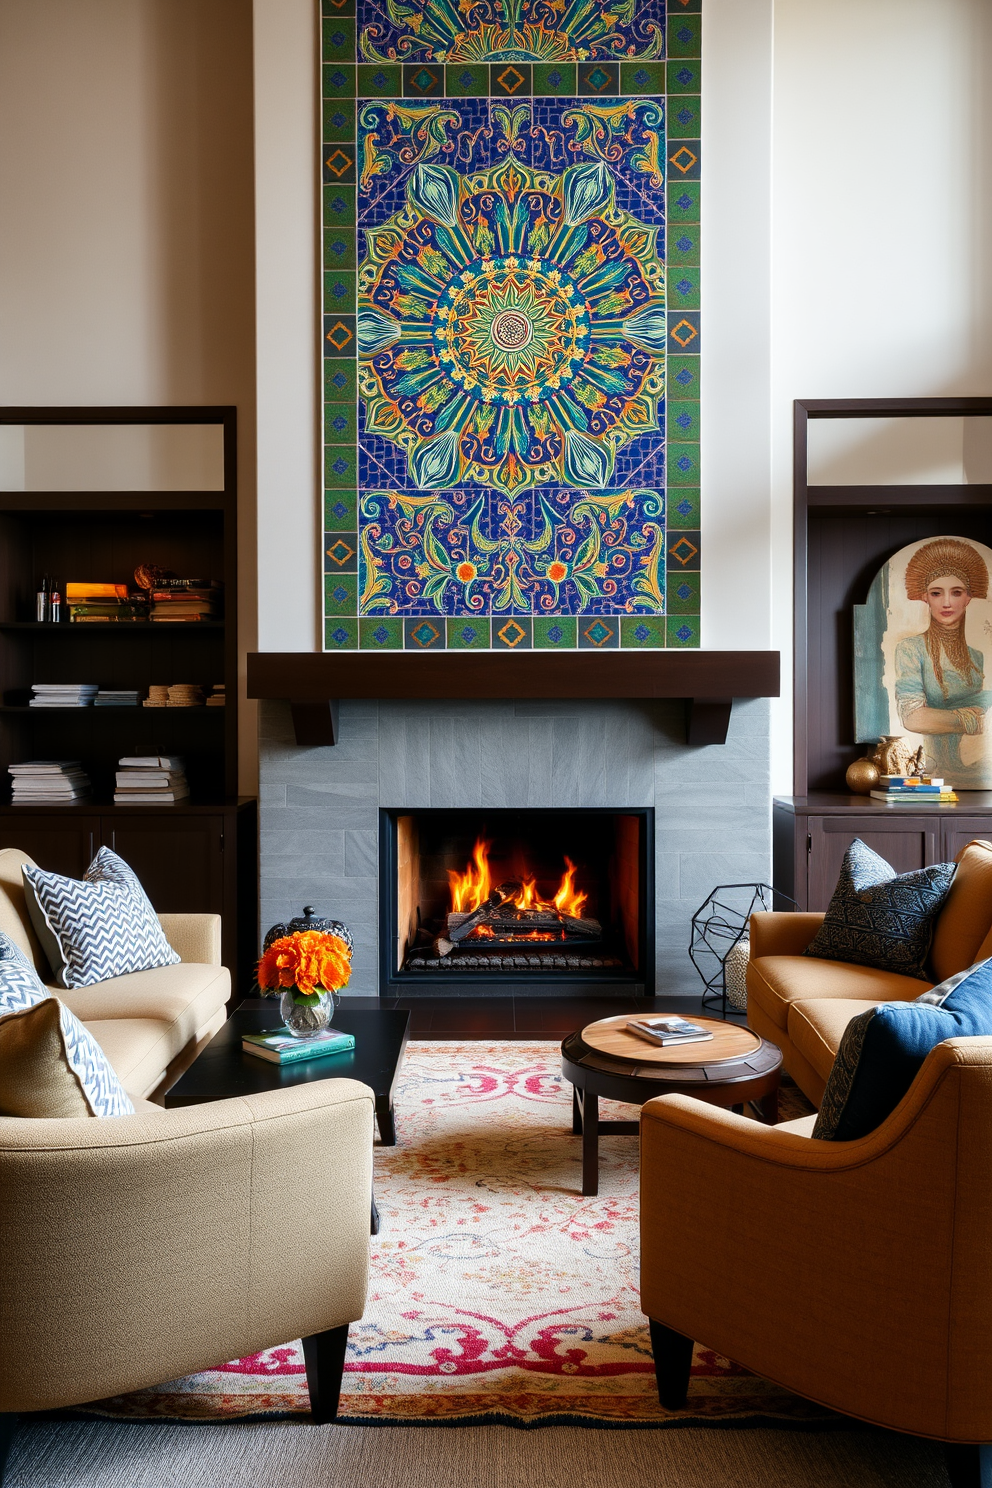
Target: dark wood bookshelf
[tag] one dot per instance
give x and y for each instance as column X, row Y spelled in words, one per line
column 842, row 536
column 200, row 854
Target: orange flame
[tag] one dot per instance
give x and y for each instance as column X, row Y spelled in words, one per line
column 472, row 888
column 568, row 900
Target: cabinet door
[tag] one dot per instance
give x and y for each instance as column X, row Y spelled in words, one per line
column 957, row 831
column 61, row 844
column 180, row 860
column 906, row 843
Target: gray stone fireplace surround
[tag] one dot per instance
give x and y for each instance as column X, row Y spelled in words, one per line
column 319, row 806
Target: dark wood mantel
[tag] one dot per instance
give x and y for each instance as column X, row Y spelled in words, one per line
column 313, row 681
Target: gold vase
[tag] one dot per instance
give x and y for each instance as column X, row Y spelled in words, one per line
column 862, row 776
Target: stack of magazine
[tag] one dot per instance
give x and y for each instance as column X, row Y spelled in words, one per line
column 150, row 780
column 285, row 1048
column 670, row 1030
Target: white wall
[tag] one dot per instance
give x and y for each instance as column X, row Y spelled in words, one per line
column 882, row 230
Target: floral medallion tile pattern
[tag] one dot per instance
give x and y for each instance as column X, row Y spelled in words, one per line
column 511, row 324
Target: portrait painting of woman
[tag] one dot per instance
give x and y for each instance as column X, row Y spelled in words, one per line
column 920, row 657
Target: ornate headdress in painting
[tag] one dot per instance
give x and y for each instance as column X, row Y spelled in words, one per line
column 951, row 556
column 954, row 558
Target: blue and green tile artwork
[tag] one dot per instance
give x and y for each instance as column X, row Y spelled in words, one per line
column 509, row 464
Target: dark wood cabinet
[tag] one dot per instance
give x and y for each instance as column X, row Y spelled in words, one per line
column 811, row 834
column 192, row 860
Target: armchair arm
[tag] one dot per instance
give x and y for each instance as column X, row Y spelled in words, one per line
column 142, row 1248
column 801, row 1259
column 782, row 933
column 194, row 937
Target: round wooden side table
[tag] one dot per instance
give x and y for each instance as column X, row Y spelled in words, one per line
column 604, row 1059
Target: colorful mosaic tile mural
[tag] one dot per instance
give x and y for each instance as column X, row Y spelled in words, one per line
column 511, row 326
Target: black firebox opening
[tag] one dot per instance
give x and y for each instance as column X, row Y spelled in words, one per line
column 541, row 901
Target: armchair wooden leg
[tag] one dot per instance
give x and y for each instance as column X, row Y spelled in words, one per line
column 968, row 1466
column 324, row 1355
column 8, row 1425
column 672, row 1362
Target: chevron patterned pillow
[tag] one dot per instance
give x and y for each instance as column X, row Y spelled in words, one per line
column 97, row 927
column 50, row 1064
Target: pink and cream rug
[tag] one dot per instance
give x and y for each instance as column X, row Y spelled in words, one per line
column 497, row 1292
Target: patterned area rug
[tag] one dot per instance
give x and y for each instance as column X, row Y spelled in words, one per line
column 497, row 1293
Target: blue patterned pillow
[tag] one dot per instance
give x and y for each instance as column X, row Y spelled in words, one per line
column 883, row 1048
column 21, row 992
column 878, row 917
column 98, row 927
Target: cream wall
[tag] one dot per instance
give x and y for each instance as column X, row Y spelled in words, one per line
column 881, row 239
column 126, row 247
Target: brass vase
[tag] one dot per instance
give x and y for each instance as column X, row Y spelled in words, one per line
column 862, row 776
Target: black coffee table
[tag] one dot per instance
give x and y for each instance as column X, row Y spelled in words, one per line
column 224, row 1069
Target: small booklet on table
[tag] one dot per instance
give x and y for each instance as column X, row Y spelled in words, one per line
column 283, row 1048
column 669, row 1031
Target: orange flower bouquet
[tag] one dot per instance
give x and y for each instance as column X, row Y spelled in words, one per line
column 308, row 965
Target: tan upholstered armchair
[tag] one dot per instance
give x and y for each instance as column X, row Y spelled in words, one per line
column 137, row 1249
column 858, row 1274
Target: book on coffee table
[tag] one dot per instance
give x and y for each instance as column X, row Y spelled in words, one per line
column 669, row 1031
column 284, row 1048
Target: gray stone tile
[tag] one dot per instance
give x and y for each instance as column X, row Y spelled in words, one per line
column 701, row 872
column 334, row 764
column 336, row 814
column 280, row 844
column 741, row 839
column 271, row 793
column 404, row 757
column 361, row 854
column 516, row 757
column 750, row 716
column 319, row 868
column 579, row 766
column 456, row 761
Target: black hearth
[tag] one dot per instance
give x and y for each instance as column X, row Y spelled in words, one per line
column 543, row 902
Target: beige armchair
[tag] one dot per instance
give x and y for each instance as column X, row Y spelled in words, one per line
column 138, row 1249
column 857, row 1274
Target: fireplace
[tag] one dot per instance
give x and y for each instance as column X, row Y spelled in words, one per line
column 540, row 902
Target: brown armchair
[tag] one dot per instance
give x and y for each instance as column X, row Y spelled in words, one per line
column 867, row 1266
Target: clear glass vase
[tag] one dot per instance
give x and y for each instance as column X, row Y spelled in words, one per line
column 304, row 1020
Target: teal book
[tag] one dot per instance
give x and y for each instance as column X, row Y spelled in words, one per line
column 283, row 1048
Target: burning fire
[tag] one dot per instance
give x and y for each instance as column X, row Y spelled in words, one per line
column 472, row 888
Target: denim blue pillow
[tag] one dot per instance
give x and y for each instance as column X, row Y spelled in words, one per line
column 882, row 1051
column 878, row 917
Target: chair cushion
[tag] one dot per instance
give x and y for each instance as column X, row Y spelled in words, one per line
column 98, row 927
column 966, row 915
column 881, row 918
column 884, row 1047
column 817, row 1028
column 50, row 1065
column 144, row 1020
column 775, row 982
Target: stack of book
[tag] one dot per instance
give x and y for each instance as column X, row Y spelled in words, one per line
column 182, row 601
column 150, row 780
column 117, row 697
column 217, row 698
column 913, row 790
column 104, row 604
column 63, row 694
column 49, row 782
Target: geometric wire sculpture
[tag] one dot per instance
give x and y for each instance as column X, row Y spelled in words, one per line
column 719, row 923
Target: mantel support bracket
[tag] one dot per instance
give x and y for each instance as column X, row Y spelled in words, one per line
column 707, row 720
column 315, row 722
